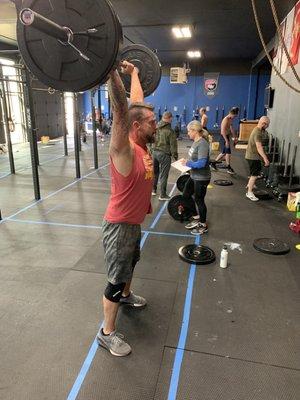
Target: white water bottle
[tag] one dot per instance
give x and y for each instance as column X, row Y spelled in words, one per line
column 224, row 257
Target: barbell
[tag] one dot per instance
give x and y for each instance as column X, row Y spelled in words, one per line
column 72, row 46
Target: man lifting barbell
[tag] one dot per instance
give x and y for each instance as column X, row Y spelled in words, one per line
column 71, row 60
column 132, row 180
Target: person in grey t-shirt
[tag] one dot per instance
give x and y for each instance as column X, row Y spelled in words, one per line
column 198, row 161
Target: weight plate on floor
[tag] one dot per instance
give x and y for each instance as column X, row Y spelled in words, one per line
column 147, row 63
column 271, row 246
column 223, row 182
column 59, row 66
column 195, row 254
column 181, row 181
column 262, row 194
column 181, row 208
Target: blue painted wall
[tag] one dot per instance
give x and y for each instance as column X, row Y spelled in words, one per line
column 263, row 81
column 87, row 101
column 232, row 91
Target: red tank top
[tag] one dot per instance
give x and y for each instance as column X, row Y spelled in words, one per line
column 130, row 198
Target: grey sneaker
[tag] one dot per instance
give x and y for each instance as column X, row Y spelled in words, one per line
column 199, row 230
column 192, row 224
column 133, row 300
column 114, row 343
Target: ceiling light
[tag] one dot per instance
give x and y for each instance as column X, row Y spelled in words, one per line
column 177, row 32
column 186, row 31
column 194, row 54
column 182, row 32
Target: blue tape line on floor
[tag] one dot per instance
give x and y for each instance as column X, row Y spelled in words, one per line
column 183, row 333
column 43, row 163
column 53, row 194
column 26, row 221
column 3, row 176
column 91, row 354
column 83, row 371
column 152, row 226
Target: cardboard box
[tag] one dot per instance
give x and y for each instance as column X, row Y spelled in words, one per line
column 292, row 201
column 246, row 127
column 215, row 146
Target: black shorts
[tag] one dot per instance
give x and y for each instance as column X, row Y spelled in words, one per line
column 224, row 149
column 254, row 167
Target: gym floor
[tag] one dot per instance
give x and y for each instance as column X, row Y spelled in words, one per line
column 207, row 333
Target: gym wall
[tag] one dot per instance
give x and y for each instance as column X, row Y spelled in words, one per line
column 232, row 91
column 285, row 113
column 48, row 113
column 47, row 110
column 259, row 103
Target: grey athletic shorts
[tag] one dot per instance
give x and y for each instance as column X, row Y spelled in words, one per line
column 121, row 244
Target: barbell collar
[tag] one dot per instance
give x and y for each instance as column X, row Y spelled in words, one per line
column 31, row 18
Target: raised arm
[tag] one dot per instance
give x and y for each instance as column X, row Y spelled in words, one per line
column 136, row 91
column 120, row 127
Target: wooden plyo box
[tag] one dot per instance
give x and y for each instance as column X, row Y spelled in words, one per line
column 246, row 127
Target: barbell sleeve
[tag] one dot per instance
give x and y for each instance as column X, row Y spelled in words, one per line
column 31, row 18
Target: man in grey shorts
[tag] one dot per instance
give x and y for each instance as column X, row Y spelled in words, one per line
column 131, row 169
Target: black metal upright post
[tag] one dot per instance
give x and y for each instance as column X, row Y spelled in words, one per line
column 223, row 113
column 6, row 125
column 32, row 136
column 21, row 100
column 94, row 129
column 109, row 109
column 63, row 122
column 29, row 104
column 99, row 100
column 76, row 136
column 78, row 117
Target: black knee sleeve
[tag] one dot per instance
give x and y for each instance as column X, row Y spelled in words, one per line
column 114, row 292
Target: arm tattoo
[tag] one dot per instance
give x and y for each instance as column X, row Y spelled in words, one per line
column 120, row 127
column 117, row 96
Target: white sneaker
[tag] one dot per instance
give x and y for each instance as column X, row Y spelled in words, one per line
column 251, row 196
